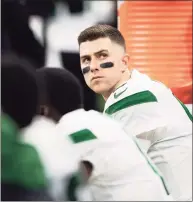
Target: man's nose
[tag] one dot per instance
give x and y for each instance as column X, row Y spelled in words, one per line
column 94, row 66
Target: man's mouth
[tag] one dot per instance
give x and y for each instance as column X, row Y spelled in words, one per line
column 96, row 77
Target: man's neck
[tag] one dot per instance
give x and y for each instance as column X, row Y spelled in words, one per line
column 125, row 78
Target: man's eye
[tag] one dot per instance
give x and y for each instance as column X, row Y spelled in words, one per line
column 85, row 60
column 102, row 56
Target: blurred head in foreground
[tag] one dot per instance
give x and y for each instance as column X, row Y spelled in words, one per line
column 19, row 89
column 62, row 92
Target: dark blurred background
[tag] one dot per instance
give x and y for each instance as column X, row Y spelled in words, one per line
column 45, row 32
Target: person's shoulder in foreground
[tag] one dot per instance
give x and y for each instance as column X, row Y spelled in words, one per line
column 19, row 104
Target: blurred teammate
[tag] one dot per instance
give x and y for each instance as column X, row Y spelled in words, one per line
column 22, row 172
column 146, row 108
column 110, row 160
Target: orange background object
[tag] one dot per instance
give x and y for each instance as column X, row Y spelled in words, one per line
column 159, row 41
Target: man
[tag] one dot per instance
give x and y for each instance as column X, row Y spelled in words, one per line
column 22, row 172
column 146, row 109
column 111, row 163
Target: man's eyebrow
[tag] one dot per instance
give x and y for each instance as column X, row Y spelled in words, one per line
column 84, row 56
column 96, row 53
column 100, row 51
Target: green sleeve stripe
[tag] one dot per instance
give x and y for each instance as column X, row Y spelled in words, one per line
column 135, row 99
column 73, row 184
column 186, row 110
column 82, row 136
column 152, row 166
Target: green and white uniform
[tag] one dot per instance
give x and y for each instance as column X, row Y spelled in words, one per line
column 148, row 110
column 121, row 171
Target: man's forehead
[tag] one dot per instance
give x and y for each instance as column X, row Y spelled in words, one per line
column 91, row 47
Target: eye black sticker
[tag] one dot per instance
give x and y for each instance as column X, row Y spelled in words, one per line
column 86, row 69
column 107, row 65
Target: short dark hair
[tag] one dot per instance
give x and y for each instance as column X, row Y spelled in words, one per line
column 102, row 31
column 63, row 89
column 19, row 89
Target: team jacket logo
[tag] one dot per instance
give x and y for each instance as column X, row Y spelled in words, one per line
column 116, row 95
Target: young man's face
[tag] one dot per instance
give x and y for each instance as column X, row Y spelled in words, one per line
column 92, row 54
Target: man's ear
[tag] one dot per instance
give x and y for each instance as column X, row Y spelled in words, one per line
column 44, row 110
column 125, row 61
